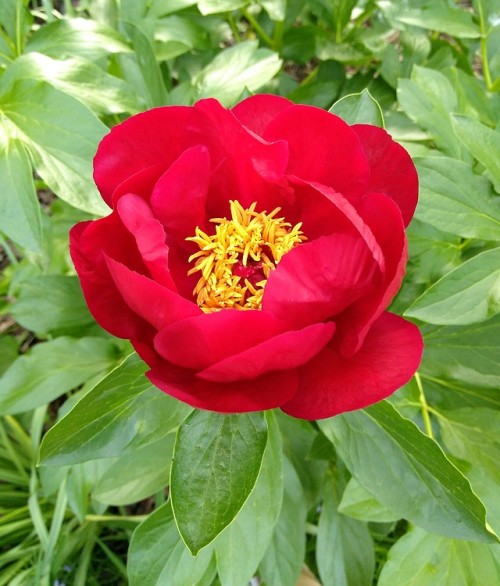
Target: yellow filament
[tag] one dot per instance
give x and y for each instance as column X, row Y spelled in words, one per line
column 248, row 239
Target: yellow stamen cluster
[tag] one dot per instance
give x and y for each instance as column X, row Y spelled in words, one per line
column 235, row 262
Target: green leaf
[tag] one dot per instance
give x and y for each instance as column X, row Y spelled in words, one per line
column 121, row 414
column 275, row 8
column 80, row 78
column 468, row 294
column 20, row 217
column 52, row 304
column 482, row 142
column 344, row 550
column 141, row 69
column 242, row 545
column 298, row 439
column 445, row 200
column 284, row 557
column 471, row 434
column 359, row 108
column 244, row 66
column 407, row 472
column 77, row 37
column 359, row 503
column 421, row 559
column 52, row 369
column 217, row 459
column 158, row 556
column 177, row 35
column 61, row 135
column 137, row 475
column 468, row 353
column 428, row 99
column 440, row 16
column 217, row 6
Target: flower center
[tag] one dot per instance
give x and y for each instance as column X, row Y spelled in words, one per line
column 235, row 262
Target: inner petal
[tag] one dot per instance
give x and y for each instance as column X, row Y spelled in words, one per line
column 235, row 262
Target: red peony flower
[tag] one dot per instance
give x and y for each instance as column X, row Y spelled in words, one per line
column 251, row 254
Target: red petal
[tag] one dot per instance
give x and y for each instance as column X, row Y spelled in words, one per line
column 140, row 183
column 88, row 242
column 149, row 235
column 179, row 197
column 282, row 352
column 319, row 279
column 383, row 216
column 245, row 167
column 331, row 384
column 392, row 170
column 202, row 341
column 322, row 148
column 156, row 304
column 155, row 137
column 265, row 392
column 256, row 112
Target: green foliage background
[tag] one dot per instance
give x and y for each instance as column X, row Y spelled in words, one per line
column 402, row 493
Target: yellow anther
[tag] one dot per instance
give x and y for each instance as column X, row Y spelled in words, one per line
column 243, row 249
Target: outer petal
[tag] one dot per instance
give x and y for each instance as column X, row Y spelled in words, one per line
column 319, row 279
column 155, row 137
column 331, row 384
column 88, row 243
column 256, row 112
column 391, row 167
column 282, row 352
column 322, row 148
column 179, row 197
column 199, row 342
column 379, row 212
column 158, row 305
column 265, row 392
column 149, row 235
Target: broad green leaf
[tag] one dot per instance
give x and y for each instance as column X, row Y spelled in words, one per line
column 284, row 557
column 421, row 559
column 472, row 435
column 469, row 294
column 359, row 503
column 52, row 304
column 136, row 476
column 242, row 545
column 407, row 472
column 15, row 20
column 217, row 460
column 163, row 7
column 344, row 550
column 61, row 135
column 359, row 108
column 8, row 352
column 298, row 439
column 244, row 66
column 473, row 99
column 445, row 200
column 52, row 369
column 77, row 37
column 429, row 99
column 158, row 556
column 80, row 78
column 121, row 414
column 438, row 15
column 217, row 6
column 468, row 354
column 178, row 34
column 141, row 69
column 275, row 8
column 445, row 393
column 482, row 142
column 20, row 217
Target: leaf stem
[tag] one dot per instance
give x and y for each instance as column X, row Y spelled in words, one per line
column 484, row 49
column 257, row 28
column 424, row 406
column 234, row 27
column 111, row 518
